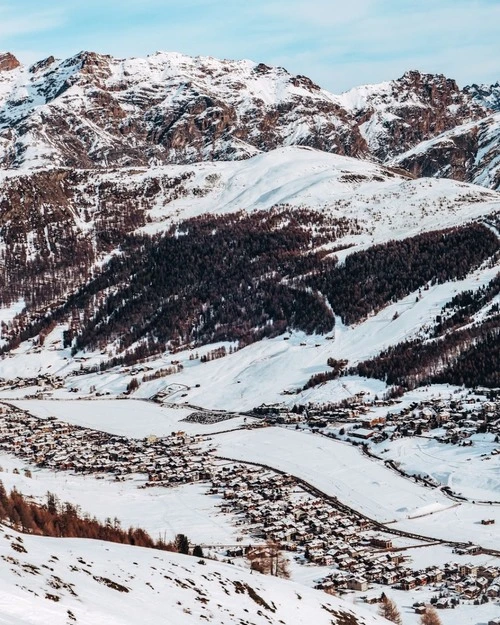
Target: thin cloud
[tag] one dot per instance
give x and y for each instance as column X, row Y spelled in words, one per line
column 14, row 24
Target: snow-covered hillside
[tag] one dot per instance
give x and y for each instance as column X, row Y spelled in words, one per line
column 91, row 582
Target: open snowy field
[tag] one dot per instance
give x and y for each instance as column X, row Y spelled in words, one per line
column 389, row 206
column 341, row 470
column 131, row 418
column 470, row 471
column 161, row 511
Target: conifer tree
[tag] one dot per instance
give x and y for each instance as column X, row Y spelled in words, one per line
column 182, row 543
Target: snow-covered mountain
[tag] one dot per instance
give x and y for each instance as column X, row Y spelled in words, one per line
column 399, row 114
column 160, row 214
column 107, row 162
column 469, row 152
column 487, row 96
column 96, row 111
column 92, row 110
column 81, row 581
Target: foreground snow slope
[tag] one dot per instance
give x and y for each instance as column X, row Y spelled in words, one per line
column 59, row 581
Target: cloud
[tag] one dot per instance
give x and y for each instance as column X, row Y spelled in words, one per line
column 16, row 23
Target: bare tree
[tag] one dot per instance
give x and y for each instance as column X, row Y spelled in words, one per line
column 389, row 610
column 269, row 559
column 430, row 617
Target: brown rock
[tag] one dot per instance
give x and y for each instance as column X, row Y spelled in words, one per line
column 8, row 62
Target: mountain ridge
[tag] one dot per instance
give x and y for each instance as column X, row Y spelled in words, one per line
column 92, row 110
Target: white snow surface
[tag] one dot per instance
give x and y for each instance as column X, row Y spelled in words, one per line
column 469, row 471
column 163, row 512
column 56, row 577
column 387, row 205
column 365, row 484
column 131, row 418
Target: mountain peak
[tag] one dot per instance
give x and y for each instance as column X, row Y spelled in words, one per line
column 428, row 83
column 8, row 62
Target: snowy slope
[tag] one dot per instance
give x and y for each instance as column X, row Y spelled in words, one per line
column 257, row 374
column 389, row 205
column 55, row 580
column 386, row 202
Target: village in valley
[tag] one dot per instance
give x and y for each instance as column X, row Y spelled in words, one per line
column 52, row 444
column 269, row 506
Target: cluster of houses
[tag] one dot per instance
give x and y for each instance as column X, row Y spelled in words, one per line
column 274, row 507
column 52, row 444
column 453, row 583
column 42, row 384
column 457, row 420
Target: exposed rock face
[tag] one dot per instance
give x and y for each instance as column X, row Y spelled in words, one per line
column 397, row 115
column 8, row 62
column 470, row 153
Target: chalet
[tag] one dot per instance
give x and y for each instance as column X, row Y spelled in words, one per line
column 362, row 433
column 372, row 422
column 408, row 583
column 442, row 603
column 357, row 583
column 381, row 542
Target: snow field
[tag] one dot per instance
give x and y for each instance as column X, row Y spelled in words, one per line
column 47, row 580
column 366, row 485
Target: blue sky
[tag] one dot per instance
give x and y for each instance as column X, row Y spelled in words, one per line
column 339, row 44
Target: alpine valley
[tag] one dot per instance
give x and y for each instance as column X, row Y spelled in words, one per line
column 238, row 308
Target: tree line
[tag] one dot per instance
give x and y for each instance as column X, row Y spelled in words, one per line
column 57, row 519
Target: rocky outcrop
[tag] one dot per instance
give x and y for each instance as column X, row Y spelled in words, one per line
column 470, row 153
column 487, row 96
column 396, row 116
column 8, row 62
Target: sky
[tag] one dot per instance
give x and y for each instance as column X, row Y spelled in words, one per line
column 337, row 43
